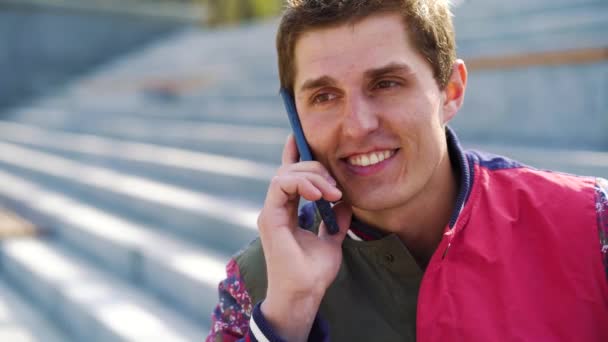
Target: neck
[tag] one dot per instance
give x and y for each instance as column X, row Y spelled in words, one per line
column 421, row 233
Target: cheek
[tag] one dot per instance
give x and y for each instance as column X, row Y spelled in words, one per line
column 419, row 128
column 318, row 134
column 421, row 118
column 431, row 143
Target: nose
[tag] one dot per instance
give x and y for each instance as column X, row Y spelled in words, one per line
column 360, row 117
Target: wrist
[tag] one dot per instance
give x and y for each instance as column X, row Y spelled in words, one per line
column 291, row 319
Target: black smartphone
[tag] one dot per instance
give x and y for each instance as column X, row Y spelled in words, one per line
column 322, row 205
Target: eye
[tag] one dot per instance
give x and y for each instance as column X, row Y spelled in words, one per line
column 323, row 97
column 384, row 84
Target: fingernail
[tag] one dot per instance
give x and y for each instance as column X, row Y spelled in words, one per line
column 332, row 181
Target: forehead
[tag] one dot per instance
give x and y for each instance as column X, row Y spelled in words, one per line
column 350, row 49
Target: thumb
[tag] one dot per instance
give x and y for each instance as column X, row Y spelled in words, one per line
column 344, row 214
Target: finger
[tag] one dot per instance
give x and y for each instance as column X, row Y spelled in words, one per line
column 343, row 212
column 308, row 166
column 283, row 196
column 281, row 204
column 328, row 190
column 287, row 188
column 290, row 151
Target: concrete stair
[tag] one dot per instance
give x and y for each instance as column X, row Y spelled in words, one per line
column 172, row 268
column 90, row 304
column 20, row 322
column 144, row 201
column 550, row 106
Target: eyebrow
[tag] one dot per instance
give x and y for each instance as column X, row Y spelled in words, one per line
column 317, row 83
column 372, row 73
column 389, row 69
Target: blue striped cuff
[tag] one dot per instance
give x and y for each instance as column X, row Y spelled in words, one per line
column 259, row 327
column 261, row 331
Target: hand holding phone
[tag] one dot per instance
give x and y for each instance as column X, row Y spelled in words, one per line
column 322, row 205
column 300, row 265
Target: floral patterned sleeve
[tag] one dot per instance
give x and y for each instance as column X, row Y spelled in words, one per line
column 602, row 217
column 236, row 319
column 230, row 319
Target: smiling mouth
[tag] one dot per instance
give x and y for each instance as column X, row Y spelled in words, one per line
column 368, row 159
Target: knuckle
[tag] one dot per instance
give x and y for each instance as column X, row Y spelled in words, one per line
column 282, row 170
column 319, row 167
column 274, row 186
column 313, row 166
column 321, row 170
column 274, row 180
column 318, row 180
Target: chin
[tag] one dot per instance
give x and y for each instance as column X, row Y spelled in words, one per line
column 374, row 200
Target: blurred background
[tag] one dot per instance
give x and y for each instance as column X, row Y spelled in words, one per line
column 137, row 138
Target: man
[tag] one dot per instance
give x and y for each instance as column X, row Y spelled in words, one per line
column 435, row 243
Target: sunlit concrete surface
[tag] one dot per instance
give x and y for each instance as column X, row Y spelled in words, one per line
column 178, row 158
column 179, row 269
column 251, row 142
column 19, row 322
column 117, row 311
column 136, row 187
column 45, row 46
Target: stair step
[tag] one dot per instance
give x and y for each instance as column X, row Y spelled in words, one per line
column 255, row 143
column 91, row 305
column 185, row 273
column 489, row 9
column 20, row 321
column 244, row 178
column 193, row 214
column 255, row 111
column 546, row 30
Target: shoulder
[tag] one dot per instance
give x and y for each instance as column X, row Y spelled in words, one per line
column 506, row 174
column 491, row 161
column 564, row 202
column 571, row 200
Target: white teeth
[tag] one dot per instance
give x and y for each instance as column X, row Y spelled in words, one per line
column 370, row 158
column 364, row 160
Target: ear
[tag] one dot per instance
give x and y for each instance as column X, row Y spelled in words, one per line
column 453, row 94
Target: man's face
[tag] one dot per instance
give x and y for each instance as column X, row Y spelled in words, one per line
column 371, row 110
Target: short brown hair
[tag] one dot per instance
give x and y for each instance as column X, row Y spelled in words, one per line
column 428, row 23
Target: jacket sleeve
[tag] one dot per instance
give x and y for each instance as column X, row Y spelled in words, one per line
column 262, row 331
column 602, row 218
column 235, row 319
column 230, row 318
